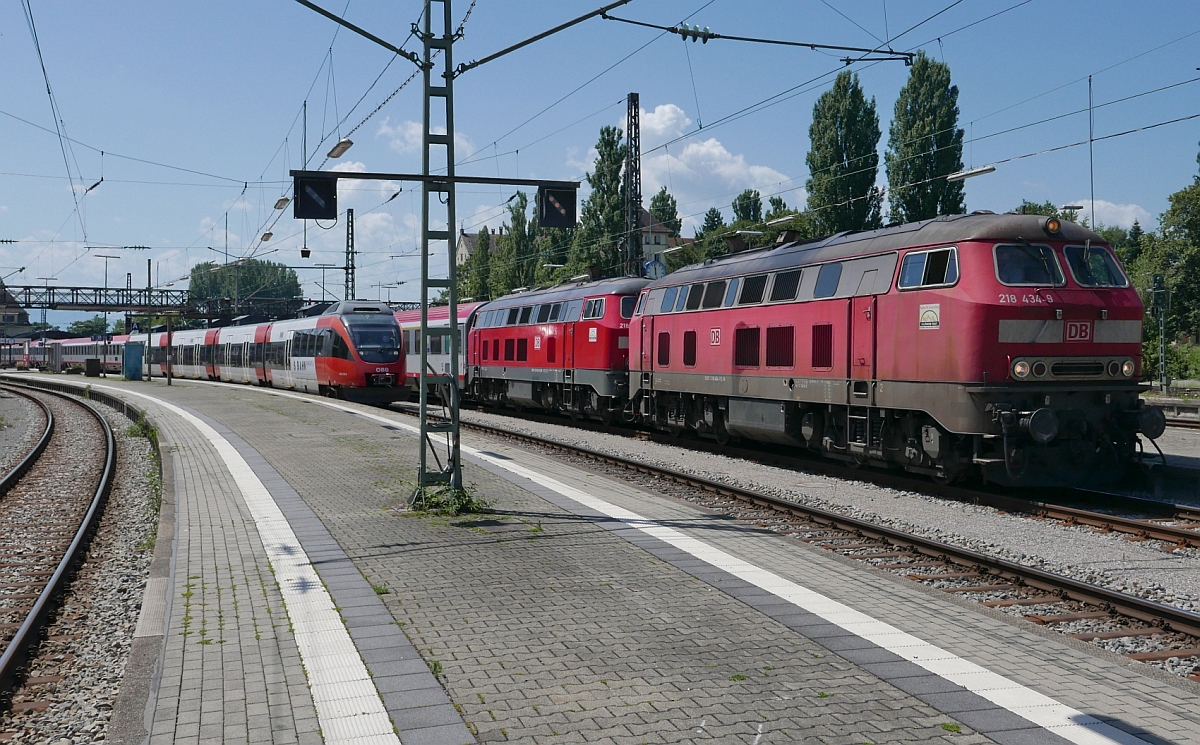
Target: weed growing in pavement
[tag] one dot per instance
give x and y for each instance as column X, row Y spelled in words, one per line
column 447, row 501
column 537, row 528
column 380, row 589
column 435, row 667
column 823, row 694
column 951, row 727
column 738, row 677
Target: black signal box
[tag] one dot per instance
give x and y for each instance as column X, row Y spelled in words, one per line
column 556, row 207
column 316, row 198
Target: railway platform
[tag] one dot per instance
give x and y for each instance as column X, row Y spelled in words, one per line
column 291, row 602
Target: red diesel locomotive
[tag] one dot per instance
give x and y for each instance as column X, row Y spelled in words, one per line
column 565, row 348
column 1007, row 345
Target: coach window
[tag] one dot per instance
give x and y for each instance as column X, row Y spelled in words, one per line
column 526, row 312
column 929, row 269
column 731, row 293
column 786, row 284
column 340, row 349
column 695, row 295
column 827, row 280
column 435, row 343
column 1027, row 264
column 664, row 349
column 714, row 293
column 627, row 303
column 543, row 313
column 689, row 348
column 752, row 290
column 1094, row 267
column 668, row 301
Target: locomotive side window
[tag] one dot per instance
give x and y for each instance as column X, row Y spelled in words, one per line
column 627, row 303
column 731, row 293
column 1094, row 267
column 827, row 280
column 522, row 350
column 495, row 349
column 509, row 349
column 752, row 290
column 822, row 346
column 594, row 309
column 340, row 349
column 929, row 269
column 641, row 302
column 664, row 348
column 1027, row 264
column 512, row 316
column 486, row 348
column 786, row 284
column 668, row 301
column 695, row 294
column 714, row 293
column 689, row 348
column 571, row 311
column 525, row 313
column 781, row 346
column 554, row 311
column 745, row 347
column 543, row 313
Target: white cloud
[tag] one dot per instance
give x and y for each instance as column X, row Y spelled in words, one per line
column 405, row 137
column 350, row 166
column 666, row 122
column 1108, row 213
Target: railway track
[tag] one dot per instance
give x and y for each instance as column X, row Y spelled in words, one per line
column 1084, row 611
column 1183, row 423
column 49, row 504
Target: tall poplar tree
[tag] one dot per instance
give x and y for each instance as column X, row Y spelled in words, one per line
column 925, row 144
column 514, row 264
column 843, row 161
column 665, row 211
column 748, row 206
column 477, row 268
column 600, row 237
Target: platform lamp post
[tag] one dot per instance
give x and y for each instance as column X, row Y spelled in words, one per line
column 104, row 345
column 48, row 280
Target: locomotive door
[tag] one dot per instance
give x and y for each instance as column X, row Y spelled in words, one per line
column 568, row 346
column 862, row 338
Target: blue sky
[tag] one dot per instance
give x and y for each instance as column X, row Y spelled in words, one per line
column 216, row 88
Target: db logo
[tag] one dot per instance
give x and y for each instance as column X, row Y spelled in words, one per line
column 714, row 337
column 1079, row 331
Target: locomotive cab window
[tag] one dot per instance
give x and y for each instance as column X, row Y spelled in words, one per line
column 1027, row 264
column 641, row 302
column 1094, row 267
column 929, row 269
column 827, row 280
column 594, row 308
column 627, row 304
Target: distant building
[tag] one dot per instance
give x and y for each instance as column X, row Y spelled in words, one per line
column 657, row 238
column 14, row 321
column 468, row 241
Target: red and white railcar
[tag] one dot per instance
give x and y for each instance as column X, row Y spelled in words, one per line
column 438, row 355
column 564, row 348
column 1003, row 344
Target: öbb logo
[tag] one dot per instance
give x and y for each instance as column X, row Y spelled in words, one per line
column 1078, row 331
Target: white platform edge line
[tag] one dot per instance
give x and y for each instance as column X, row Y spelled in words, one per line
column 1044, row 711
column 274, row 530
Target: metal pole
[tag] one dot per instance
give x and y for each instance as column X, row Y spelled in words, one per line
column 633, row 186
column 167, row 358
column 348, row 292
column 448, row 471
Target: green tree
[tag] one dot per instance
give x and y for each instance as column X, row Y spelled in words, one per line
column 925, row 144
column 1048, row 208
column 91, row 327
column 665, row 211
column 843, row 159
column 713, row 222
column 748, row 207
column 600, row 237
column 779, row 208
column 249, row 278
column 513, row 265
column 475, row 270
column 1133, row 243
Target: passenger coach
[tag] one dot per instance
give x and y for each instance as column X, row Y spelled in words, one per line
column 1003, row 344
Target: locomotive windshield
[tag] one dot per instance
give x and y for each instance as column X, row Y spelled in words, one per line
column 1094, row 267
column 1027, row 264
column 627, row 304
column 376, row 343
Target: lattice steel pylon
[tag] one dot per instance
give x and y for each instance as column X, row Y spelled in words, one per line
column 348, row 291
column 633, row 187
column 447, row 470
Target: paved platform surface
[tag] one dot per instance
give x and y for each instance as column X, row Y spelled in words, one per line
column 581, row 610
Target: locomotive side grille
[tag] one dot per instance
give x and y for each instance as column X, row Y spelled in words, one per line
column 745, row 347
column 822, row 345
column 1077, row 369
column 781, row 342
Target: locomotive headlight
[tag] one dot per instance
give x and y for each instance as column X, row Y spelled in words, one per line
column 1127, row 368
column 1114, row 369
column 1020, row 369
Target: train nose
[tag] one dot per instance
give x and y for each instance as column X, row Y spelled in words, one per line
column 1042, row 425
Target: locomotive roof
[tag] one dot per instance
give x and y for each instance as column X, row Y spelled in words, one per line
column 943, row 230
column 615, row 286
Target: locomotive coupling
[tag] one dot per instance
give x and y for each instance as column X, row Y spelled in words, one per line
column 1040, row 424
column 1152, row 422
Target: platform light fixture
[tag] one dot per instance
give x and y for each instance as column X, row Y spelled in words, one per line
column 281, row 203
column 1075, row 207
column 267, row 236
column 341, row 147
column 970, row 173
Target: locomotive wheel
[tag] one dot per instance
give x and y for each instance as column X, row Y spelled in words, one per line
column 944, row 479
column 607, row 417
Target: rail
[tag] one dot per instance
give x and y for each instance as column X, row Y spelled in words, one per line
column 30, row 630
